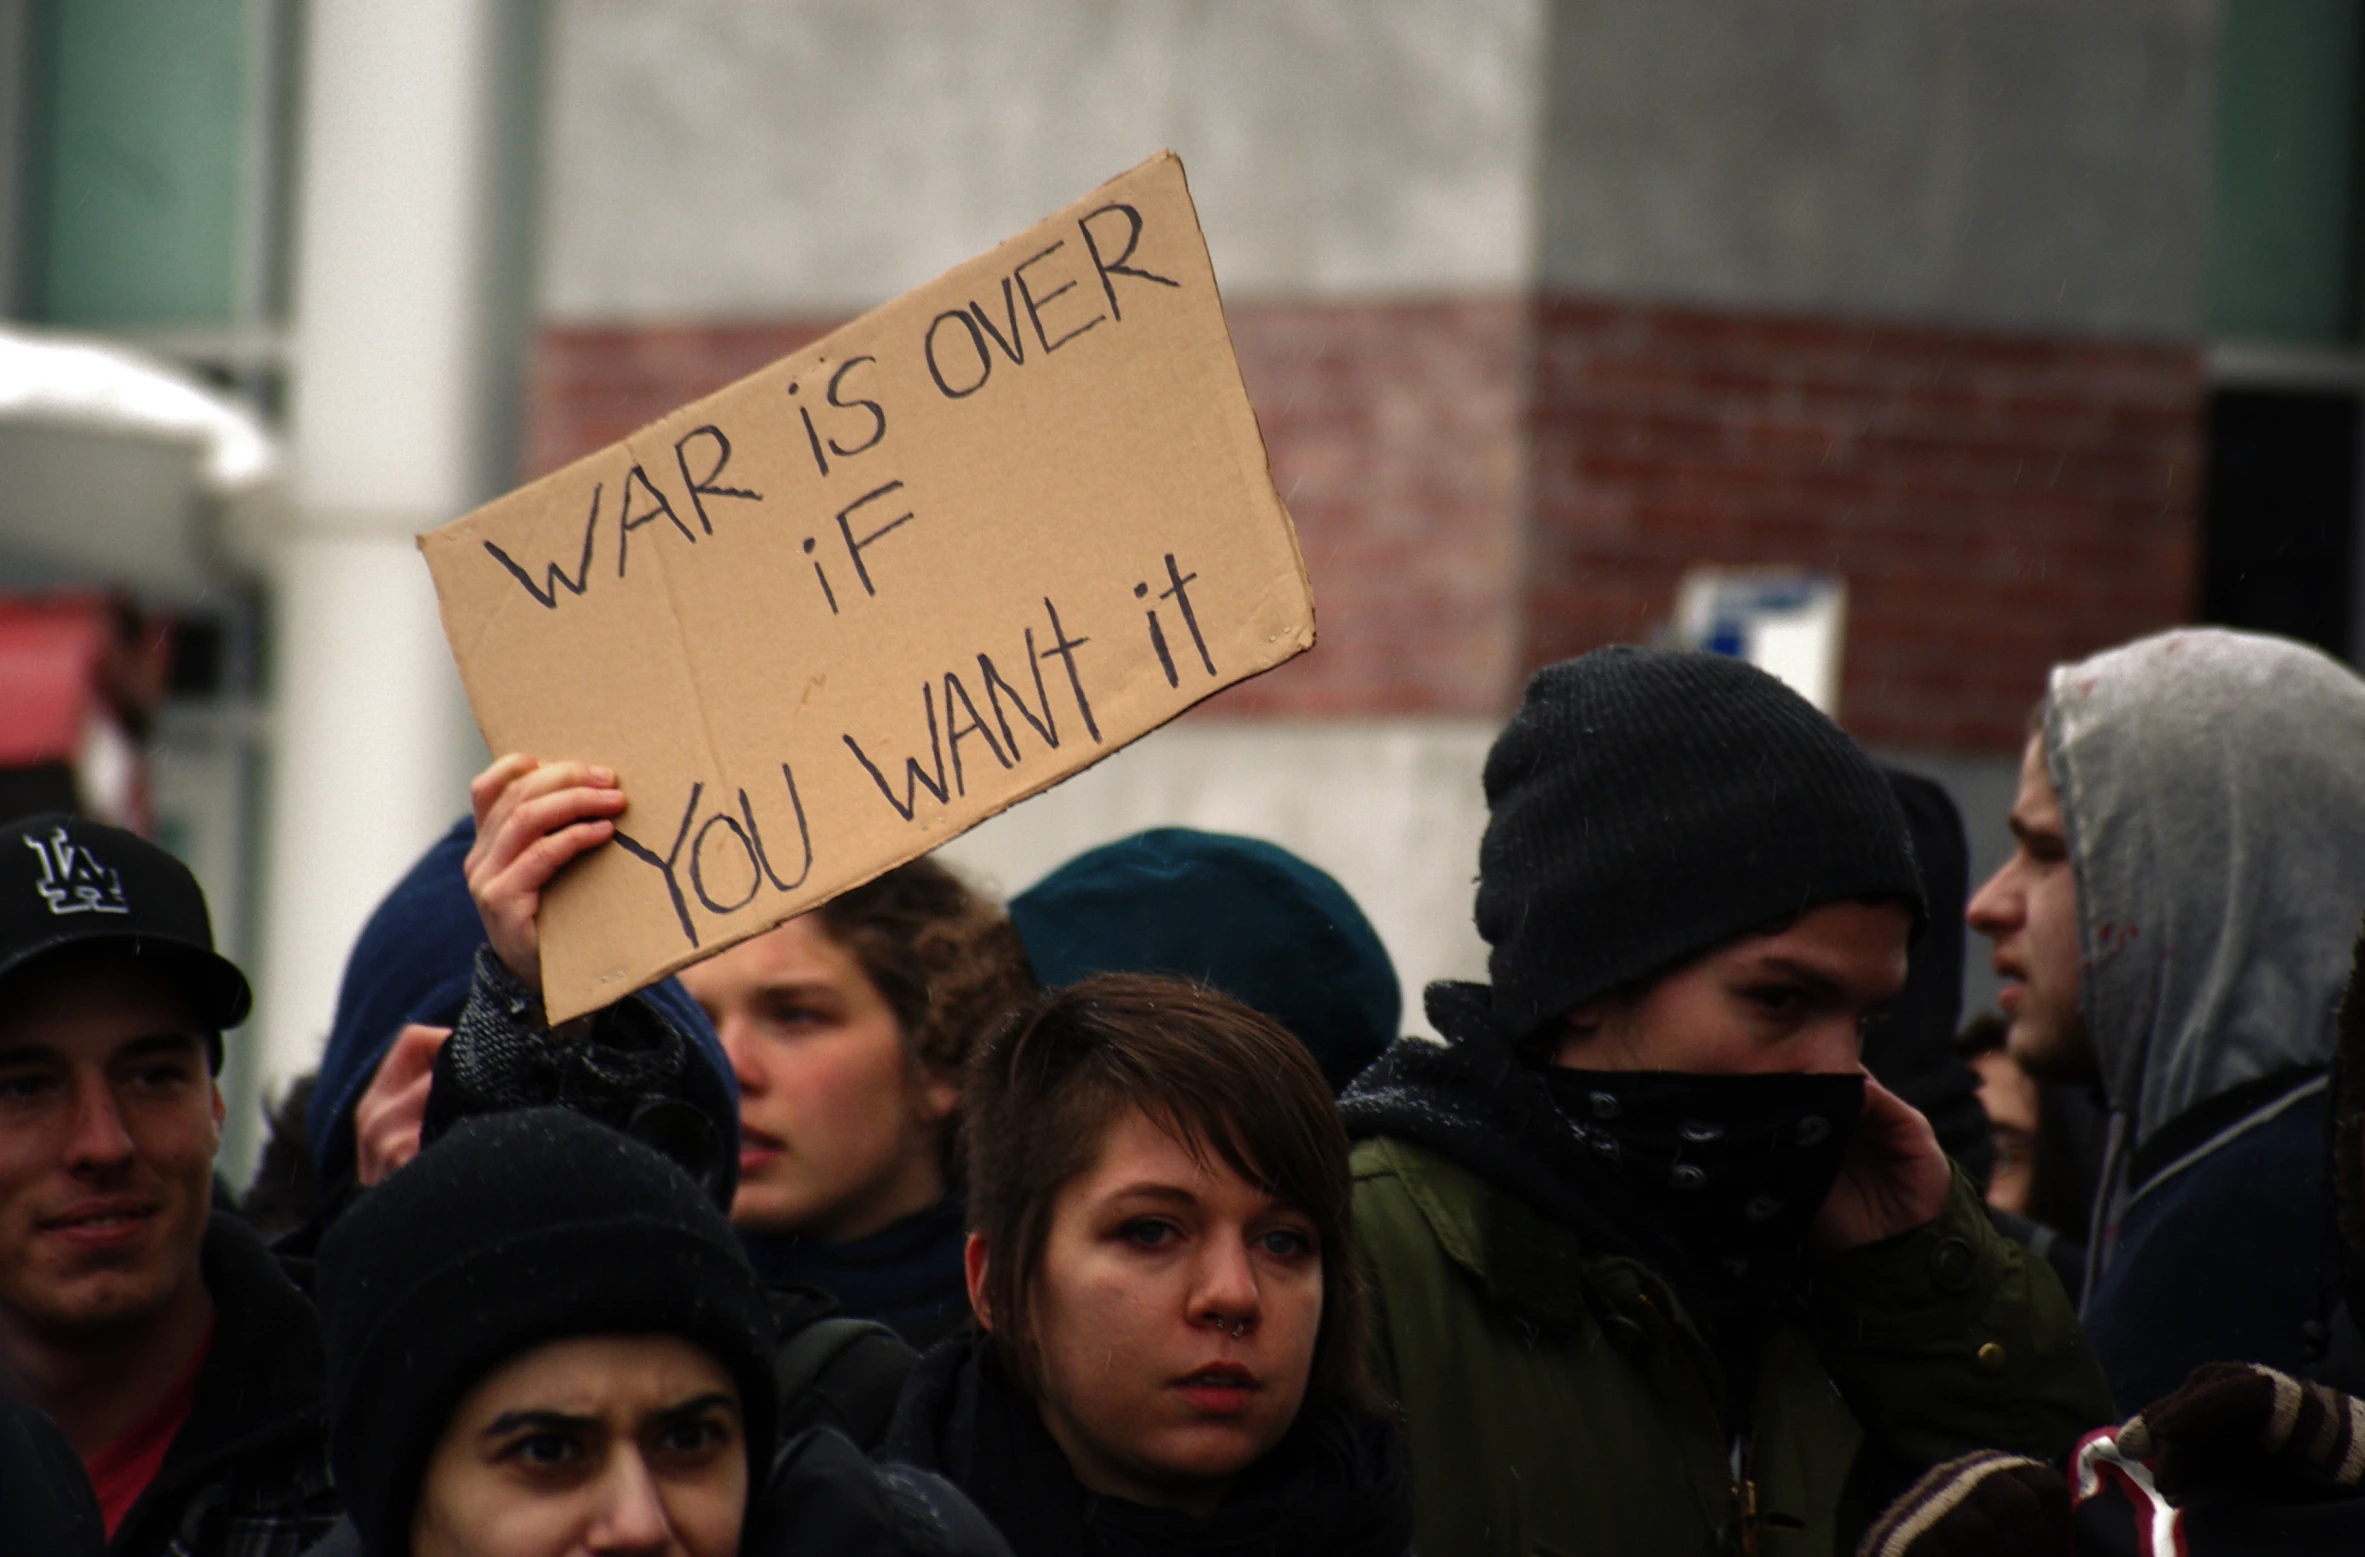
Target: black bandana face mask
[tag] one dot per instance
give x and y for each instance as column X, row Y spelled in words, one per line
column 1729, row 1170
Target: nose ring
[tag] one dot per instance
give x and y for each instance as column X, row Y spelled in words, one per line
column 1239, row 1329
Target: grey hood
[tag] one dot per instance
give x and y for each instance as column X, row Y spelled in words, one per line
column 2212, row 785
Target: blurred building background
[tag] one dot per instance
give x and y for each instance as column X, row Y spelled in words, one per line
column 2035, row 325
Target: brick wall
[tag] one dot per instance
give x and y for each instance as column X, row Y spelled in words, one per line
column 1996, row 503
column 1485, row 485
column 589, row 386
column 1396, row 438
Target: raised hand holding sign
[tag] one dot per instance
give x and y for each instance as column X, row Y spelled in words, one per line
column 831, row 616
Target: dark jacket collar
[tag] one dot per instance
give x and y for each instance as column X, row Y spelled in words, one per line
column 1553, row 1217
column 908, row 1275
column 258, row 1391
column 1335, row 1486
column 2211, row 1124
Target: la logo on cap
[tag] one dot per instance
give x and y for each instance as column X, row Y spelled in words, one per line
column 72, row 879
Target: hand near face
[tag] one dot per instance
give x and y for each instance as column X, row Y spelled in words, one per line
column 1895, row 1178
column 387, row 1116
column 531, row 819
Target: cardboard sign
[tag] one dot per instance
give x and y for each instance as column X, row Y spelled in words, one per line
column 827, row 618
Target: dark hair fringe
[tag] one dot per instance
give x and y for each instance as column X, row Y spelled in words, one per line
column 1044, row 1088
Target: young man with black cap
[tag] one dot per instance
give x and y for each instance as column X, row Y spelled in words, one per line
column 183, row 1367
column 1657, row 1266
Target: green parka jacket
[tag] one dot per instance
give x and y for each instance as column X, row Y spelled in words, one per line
column 1560, row 1403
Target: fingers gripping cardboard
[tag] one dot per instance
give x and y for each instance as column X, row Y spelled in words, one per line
column 827, row 618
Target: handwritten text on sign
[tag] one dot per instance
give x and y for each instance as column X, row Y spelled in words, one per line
column 833, row 615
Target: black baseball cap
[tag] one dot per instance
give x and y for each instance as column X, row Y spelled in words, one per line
column 67, row 881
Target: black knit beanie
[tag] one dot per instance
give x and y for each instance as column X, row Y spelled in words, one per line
column 1646, row 807
column 511, row 1231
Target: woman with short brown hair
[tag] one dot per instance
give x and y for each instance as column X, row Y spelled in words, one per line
column 1168, row 1353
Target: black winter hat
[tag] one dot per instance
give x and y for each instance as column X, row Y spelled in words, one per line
column 1647, row 806
column 511, row 1231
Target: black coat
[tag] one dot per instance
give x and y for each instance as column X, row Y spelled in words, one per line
column 1335, row 1486
column 50, row 1508
column 825, row 1497
column 247, row 1474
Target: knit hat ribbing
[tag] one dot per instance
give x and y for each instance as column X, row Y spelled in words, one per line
column 1239, row 915
column 512, row 1231
column 1646, row 807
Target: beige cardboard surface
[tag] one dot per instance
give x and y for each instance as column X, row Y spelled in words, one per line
column 829, row 617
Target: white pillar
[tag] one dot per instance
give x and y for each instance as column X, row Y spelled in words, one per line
column 409, row 279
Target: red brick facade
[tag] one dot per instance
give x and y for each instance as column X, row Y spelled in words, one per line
column 1482, row 486
column 1996, row 503
column 1395, row 433
column 591, row 386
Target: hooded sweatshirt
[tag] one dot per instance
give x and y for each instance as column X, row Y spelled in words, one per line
column 2212, row 789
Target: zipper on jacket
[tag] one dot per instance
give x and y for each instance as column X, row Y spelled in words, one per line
column 1742, row 1452
column 1745, row 1494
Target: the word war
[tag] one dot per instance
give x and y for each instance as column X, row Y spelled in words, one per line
column 653, row 506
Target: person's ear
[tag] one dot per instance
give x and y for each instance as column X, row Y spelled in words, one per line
column 973, row 1264
column 940, row 1094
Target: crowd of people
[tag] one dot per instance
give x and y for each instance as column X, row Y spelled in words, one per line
column 1122, row 1219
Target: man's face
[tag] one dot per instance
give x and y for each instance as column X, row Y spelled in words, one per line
column 109, row 1122
column 1792, row 1001
column 2029, row 909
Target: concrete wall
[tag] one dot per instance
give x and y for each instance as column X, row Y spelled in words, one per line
column 2016, row 163
column 405, row 328
column 1539, row 302
column 1391, row 808
column 743, row 158
column 2013, row 163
